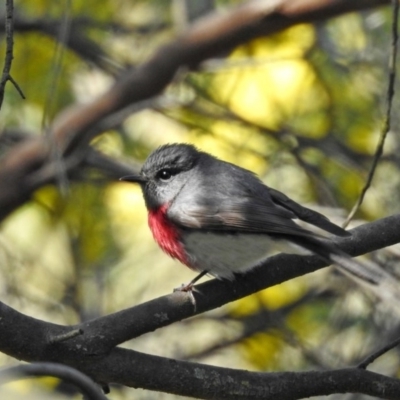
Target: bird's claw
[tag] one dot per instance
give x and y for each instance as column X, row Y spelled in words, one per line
column 189, row 289
column 185, row 287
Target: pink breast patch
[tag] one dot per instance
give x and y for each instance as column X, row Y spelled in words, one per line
column 166, row 234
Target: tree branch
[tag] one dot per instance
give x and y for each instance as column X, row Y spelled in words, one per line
column 372, row 357
column 68, row 374
column 135, row 369
column 9, row 30
column 387, row 121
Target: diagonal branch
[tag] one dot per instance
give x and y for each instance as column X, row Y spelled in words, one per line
column 30, row 339
column 213, row 294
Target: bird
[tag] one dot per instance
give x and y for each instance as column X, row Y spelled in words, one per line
column 220, row 219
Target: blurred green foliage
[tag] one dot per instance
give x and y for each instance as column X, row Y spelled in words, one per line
column 302, row 108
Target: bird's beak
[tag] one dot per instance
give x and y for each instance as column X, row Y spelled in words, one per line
column 133, row 178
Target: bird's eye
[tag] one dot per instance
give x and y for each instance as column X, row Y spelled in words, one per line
column 165, row 174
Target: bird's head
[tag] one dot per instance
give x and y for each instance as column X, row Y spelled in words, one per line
column 165, row 172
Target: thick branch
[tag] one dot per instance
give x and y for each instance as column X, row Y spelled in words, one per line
column 139, row 370
column 213, row 294
column 33, row 340
column 210, row 382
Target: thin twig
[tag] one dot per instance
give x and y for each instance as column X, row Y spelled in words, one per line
column 387, row 120
column 9, row 28
column 65, row 336
column 64, row 372
column 371, row 358
column 50, row 103
column 17, row 87
column 57, row 62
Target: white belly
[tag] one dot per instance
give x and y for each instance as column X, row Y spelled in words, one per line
column 222, row 255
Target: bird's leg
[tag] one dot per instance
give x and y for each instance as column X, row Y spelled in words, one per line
column 188, row 287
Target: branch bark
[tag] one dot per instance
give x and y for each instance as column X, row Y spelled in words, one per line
column 209, row 382
column 9, row 48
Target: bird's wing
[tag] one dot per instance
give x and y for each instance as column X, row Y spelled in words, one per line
column 241, row 203
column 242, row 215
column 268, row 212
column 307, row 215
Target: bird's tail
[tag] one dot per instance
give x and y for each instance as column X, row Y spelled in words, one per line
column 366, row 273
